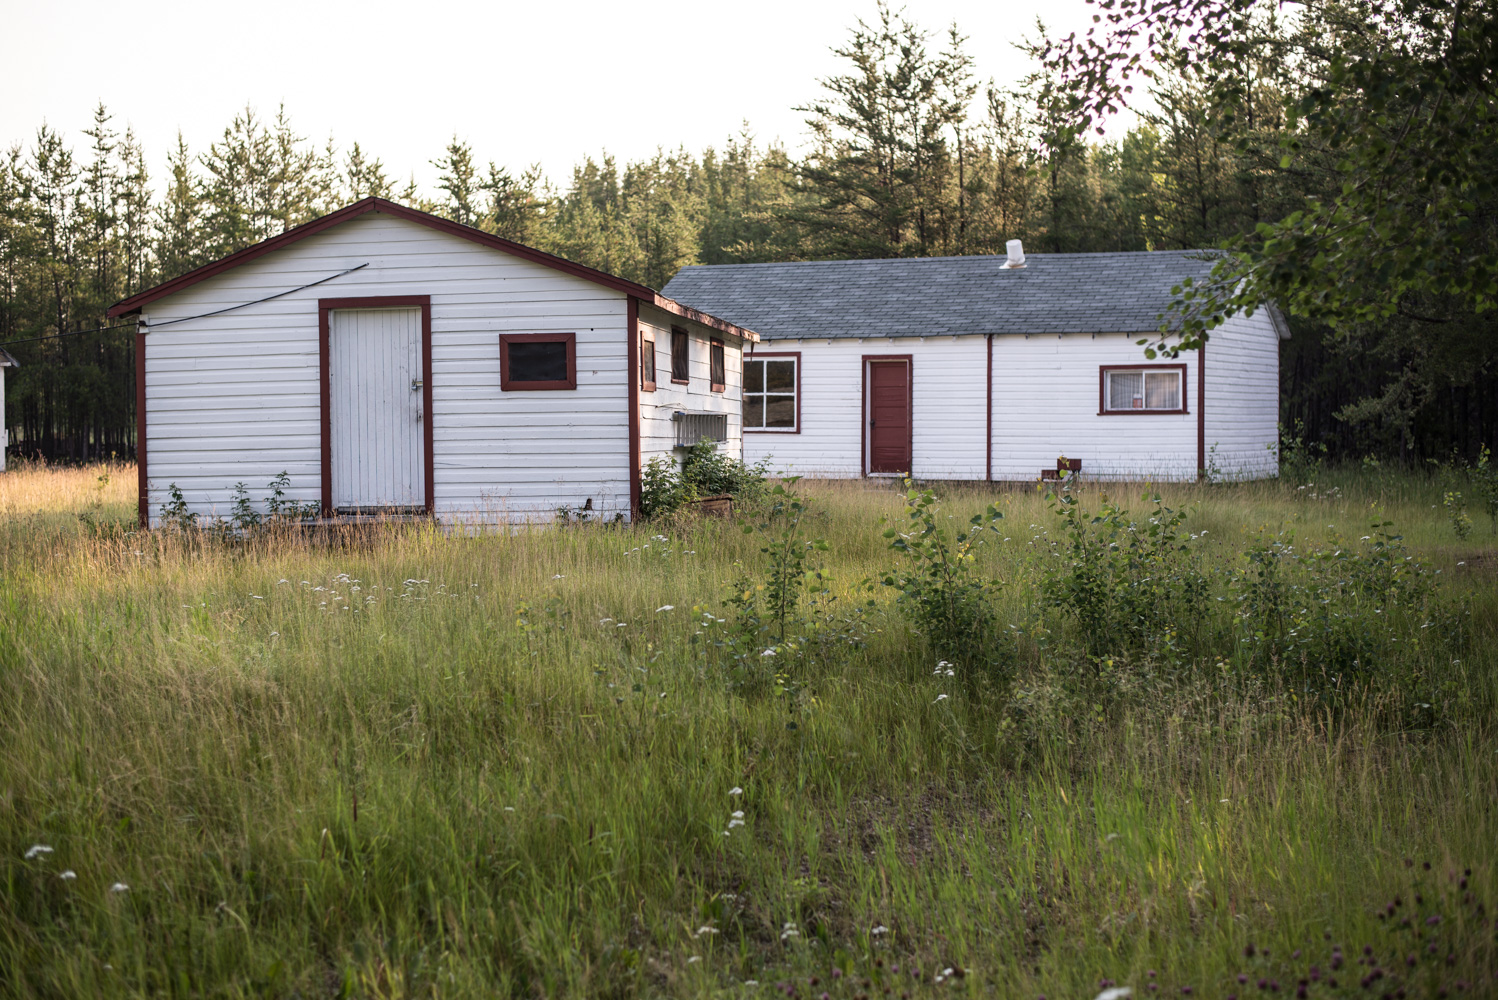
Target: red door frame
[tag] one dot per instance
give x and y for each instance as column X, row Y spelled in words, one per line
column 864, row 443
column 324, row 329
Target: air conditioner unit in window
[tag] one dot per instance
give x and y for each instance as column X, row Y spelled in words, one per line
column 694, row 427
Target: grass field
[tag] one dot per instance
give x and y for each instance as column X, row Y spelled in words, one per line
column 410, row 764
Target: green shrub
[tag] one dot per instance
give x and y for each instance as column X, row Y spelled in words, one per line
column 705, row 471
column 949, row 603
column 1329, row 612
column 1133, row 587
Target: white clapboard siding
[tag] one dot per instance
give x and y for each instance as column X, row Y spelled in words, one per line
column 1045, row 406
column 657, row 430
column 947, row 401
column 375, row 408
column 236, row 397
column 1045, row 398
column 1242, row 405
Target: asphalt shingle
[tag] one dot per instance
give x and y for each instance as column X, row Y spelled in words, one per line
column 943, row 296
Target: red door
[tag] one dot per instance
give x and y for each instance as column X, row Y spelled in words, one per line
column 889, row 416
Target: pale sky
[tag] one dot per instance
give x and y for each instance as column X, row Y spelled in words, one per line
column 523, row 83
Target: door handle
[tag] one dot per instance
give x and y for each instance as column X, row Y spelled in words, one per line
column 415, row 384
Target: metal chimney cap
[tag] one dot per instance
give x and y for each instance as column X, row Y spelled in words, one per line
column 1016, row 253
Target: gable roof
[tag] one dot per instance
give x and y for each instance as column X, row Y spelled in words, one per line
column 6, row 361
column 944, row 296
column 140, row 300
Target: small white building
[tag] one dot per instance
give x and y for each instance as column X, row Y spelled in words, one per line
column 389, row 361
column 6, row 361
column 969, row 368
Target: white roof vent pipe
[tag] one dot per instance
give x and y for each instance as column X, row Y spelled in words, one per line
column 1016, row 253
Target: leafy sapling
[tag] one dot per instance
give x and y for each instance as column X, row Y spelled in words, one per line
column 940, row 588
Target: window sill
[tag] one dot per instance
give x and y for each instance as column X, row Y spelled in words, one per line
column 772, row 430
column 1143, row 413
column 720, row 387
column 681, row 381
column 536, row 386
column 647, row 386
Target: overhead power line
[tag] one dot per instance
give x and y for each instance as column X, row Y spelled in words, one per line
column 289, row 291
column 184, row 319
column 72, row 333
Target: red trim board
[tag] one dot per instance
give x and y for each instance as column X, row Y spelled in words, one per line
column 136, row 302
column 752, row 355
column 863, row 423
column 507, row 384
column 325, row 388
column 632, row 337
column 1102, row 391
column 143, row 504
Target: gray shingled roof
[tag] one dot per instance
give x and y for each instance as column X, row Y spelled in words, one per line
column 943, row 296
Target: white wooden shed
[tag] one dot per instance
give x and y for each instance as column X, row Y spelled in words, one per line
column 393, row 362
column 968, row 368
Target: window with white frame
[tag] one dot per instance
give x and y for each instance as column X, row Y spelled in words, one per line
column 772, row 393
column 1150, row 389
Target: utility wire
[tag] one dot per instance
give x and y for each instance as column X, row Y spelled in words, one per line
column 74, row 333
column 184, row 319
column 289, row 291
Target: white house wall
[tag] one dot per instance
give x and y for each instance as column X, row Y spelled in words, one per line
column 1243, row 382
column 657, row 430
column 1045, row 401
column 1045, row 406
column 236, row 397
column 947, row 401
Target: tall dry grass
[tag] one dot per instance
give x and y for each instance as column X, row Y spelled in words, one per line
column 402, row 763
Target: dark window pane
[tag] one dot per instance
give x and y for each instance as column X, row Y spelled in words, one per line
column 533, row 361
column 680, row 361
column 647, row 361
column 719, row 369
column 754, row 376
column 754, row 411
column 780, row 376
column 780, row 411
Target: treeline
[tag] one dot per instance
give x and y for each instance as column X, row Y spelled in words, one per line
column 910, row 156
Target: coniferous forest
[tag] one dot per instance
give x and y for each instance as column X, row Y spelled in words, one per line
column 1344, row 157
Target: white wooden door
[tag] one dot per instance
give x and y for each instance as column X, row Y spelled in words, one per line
column 374, row 381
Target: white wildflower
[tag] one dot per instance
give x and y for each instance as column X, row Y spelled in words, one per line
column 940, row 697
column 36, row 850
column 694, row 958
column 559, row 577
column 1115, row 993
column 119, row 887
column 738, row 814
column 1222, row 800
column 879, row 931
column 665, row 607
column 281, row 581
column 789, row 931
column 768, row 652
column 68, row 875
column 257, row 597
column 1111, row 836
column 735, row 822
column 622, row 625
column 735, row 790
column 705, row 929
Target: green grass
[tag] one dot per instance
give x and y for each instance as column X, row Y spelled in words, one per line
column 420, row 787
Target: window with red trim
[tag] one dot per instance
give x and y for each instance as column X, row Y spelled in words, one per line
column 681, row 357
column 647, row 362
column 537, row 361
column 1143, row 389
column 771, row 393
column 718, row 365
